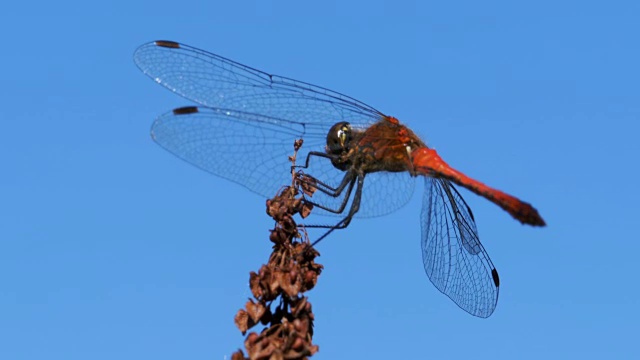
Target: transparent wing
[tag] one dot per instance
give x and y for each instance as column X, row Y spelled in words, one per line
column 252, row 150
column 383, row 192
column 454, row 259
column 245, row 131
column 246, row 148
column 217, row 82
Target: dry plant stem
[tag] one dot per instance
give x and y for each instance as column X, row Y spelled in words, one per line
column 279, row 285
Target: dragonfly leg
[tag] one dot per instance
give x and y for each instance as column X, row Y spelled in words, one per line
column 348, row 179
column 315, row 153
column 318, row 184
column 355, row 206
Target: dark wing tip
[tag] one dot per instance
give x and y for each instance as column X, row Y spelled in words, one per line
column 185, row 110
column 496, row 278
column 167, row 44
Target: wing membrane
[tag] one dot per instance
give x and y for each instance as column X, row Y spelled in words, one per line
column 454, row 259
column 214, row 81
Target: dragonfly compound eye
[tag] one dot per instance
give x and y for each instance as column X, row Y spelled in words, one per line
column 338, row 138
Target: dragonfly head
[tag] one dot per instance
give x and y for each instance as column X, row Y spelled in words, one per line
column 338, row 143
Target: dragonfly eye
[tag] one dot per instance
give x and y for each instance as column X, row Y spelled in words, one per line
column 338, row 138
column 342, row 135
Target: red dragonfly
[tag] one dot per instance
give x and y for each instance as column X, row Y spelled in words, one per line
column 248, row 120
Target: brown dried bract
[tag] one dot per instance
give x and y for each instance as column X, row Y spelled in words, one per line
column 279, row 285
column 307, row 183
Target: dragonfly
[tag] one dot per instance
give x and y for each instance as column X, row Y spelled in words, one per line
column 364, row 163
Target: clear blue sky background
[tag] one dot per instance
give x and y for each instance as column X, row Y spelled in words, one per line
column 110, row 248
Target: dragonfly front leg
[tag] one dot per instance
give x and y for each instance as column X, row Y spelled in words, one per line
column 315, row 153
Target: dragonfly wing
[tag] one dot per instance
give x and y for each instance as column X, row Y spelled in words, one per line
column 454, row 259
column 217, row 141
column 382, row 193
column 252, row 150
column 385, row 192
column 217, row 82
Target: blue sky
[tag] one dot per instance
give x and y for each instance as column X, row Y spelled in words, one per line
column 112, row 248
